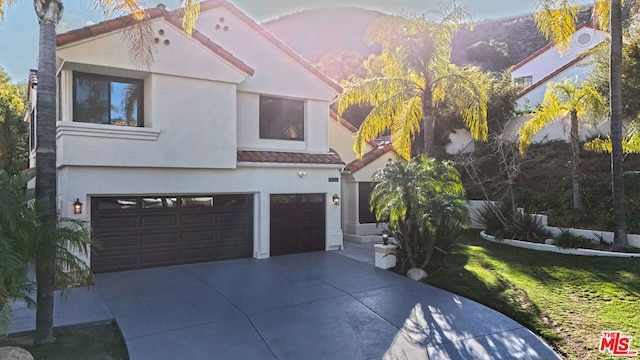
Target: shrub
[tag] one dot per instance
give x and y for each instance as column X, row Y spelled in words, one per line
column 422, row 199
column 567, row 240
column 494, row 217
column 504, row 220
column 527, row 227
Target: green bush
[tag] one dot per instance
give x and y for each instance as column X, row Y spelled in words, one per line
column 567, row 240
column 504, row 221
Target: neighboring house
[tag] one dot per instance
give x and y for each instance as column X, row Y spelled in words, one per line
column 547, row 64
column 218, row 150
column 358, row 222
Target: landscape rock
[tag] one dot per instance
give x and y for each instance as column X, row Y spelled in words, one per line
column 550, row 241
column 416, row 274
column 14, row 353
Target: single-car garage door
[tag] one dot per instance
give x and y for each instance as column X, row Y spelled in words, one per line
column 297, row 223
column 141, row 232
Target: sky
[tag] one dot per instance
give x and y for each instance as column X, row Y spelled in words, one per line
column 19, row 30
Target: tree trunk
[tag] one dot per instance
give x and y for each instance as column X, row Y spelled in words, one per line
column 49, row 13
column 617, row 171
column 575, row 161
column 428, row 128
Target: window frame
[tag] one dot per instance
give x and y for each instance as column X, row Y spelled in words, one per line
column 264, row 136
column 525, row 81
column 90, row 76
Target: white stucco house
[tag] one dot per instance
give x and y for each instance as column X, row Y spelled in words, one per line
column 549, row 65
column 218, row 150
column 358, row 222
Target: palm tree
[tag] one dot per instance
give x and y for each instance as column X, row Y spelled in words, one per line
column 561, row 100
column 411, row 77
column 556, row 19
column 420, row 198
column 49, row 13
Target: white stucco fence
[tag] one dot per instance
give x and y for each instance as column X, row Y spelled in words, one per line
column 595, row 235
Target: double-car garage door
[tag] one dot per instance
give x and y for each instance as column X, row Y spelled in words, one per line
column 141, row 232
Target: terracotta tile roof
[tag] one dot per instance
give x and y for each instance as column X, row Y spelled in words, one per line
column 552, row 75
column 288, row 157
column 212, row 4
column 545, row 48
column 368, row 158
column 125, row 21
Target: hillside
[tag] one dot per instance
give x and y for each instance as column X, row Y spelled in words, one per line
column 314, row 33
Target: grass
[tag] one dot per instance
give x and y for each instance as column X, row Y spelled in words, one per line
column 95, row 342
column 567, row 300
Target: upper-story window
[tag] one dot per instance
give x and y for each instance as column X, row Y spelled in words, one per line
column 524, row 80
column 100, row 99
column 281, row 119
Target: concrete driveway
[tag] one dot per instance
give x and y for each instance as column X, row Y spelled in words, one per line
column 305, row 306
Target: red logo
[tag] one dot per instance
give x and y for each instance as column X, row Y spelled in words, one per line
column 616, row 344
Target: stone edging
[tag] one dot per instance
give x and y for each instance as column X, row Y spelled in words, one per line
column 555, row 249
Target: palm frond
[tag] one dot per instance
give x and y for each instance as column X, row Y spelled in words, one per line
column 4, row 4
column 406, row 126
column 601, row 14
column 379, row 120
column 556, row 20
column 549, row 112
column 191, row 12
column 466, row 91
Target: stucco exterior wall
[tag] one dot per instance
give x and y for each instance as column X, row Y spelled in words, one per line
column 182, row 56
column 276, row 72
column 262, row 181
column 189, row 123
column 551, row 60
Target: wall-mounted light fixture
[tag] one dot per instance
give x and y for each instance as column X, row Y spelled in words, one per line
column 301, row 173
column 385, row 237
column 77, row 207
column 336, row 199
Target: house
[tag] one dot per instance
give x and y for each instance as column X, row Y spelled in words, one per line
column 549, row 65
column 218, row 150
column 358, row 222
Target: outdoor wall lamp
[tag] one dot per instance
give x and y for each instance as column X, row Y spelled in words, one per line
column 336, row 199
column 301, row 174
column 77, row 207
column 385, row 237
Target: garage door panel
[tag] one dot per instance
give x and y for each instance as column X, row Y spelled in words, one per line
column 158, row 220
column 158, row 258
column 194, row 237
column 197, row 219
column 201, row 228
column 297, row 223
column 117, row 222
column 159, row 239
column 199, row 254
column 118, row 242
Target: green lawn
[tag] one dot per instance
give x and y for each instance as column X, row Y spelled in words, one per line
column 568, row 300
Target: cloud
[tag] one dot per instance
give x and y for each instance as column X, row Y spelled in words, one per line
column 63, row 27
column 89, row 23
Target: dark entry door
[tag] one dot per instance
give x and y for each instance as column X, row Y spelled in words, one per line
column 150, row 231
column 297, row 223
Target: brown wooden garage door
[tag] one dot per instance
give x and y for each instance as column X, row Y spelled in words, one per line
column 141, row 232
column 297, row 223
